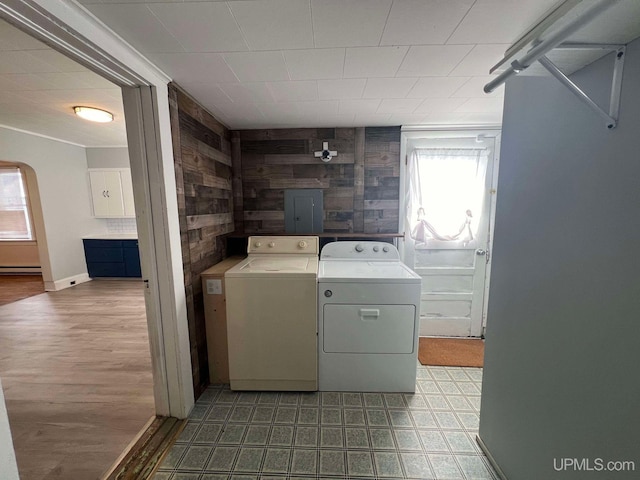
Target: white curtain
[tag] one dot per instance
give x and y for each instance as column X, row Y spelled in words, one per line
column 445, row 196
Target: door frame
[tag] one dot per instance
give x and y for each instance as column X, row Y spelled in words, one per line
column 71, row 30
column 414, row 133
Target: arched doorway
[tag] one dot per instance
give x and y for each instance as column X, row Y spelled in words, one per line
column 24, row 249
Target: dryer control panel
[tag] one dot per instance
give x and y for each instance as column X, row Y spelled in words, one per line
column 360, row 251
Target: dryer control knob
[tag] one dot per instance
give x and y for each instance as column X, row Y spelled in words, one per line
column 272, row 244
column 359, row 248
column 257, row 244
column 385, row 249
column 376, row 248
column 328, row 293
column 302, row 244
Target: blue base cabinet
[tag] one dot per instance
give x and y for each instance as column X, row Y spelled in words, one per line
column 131, row 258
column 112, row 258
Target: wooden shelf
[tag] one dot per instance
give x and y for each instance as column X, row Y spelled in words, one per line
column 321, row 235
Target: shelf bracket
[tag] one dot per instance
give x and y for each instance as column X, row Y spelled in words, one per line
column 610, row 117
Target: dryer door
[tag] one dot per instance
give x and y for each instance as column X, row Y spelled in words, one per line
column 368, row 328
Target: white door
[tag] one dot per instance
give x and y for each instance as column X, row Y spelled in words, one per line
column 99, row 194
column 447, row 228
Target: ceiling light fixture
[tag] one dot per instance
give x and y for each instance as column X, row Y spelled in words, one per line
column 94, row 114
column 325, row 154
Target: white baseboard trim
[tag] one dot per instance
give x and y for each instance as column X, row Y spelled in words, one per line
column 492, row 460
column 66, row 282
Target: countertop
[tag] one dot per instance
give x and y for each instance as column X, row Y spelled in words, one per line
column 112, row 236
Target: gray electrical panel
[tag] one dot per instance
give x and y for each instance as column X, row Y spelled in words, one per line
column 303, row 210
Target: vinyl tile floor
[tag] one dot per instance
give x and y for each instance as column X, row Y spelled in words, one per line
column 278, row 435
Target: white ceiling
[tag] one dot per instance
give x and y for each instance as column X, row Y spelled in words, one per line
column 39, row 88
column 309, row 63
column 294, row 63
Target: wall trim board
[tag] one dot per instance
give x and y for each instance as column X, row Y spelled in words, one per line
column 66, row 282
column 152, row 171
column 29, row 132
column 492, row 461
column 55, row 139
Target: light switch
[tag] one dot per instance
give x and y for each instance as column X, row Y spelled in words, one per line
column 214, row 286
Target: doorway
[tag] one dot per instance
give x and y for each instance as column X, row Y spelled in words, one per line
column 75, row 365
column 76, row 34
column 449, row 195
column 21, row 271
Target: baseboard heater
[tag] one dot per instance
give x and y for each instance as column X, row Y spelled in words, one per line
column 19, row 269
column 19, row 266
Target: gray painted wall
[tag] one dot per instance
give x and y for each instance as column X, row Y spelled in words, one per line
column 61, row 170
column 562, row 348
column 108, row 157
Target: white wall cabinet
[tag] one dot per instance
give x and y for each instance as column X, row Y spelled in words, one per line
column 127, row 193
column 111, row 192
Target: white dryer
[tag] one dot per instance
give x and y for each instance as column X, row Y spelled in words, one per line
column 272, row 315
column 368, row 311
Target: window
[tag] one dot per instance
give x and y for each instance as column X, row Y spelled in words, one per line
column 447, row 189
column 15, row 223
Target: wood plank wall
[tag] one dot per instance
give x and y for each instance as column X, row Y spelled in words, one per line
column 381, row 179
column 202, row 157
column 361, row 184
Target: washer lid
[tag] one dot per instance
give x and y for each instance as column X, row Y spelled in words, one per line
column 366, row 272
column 275, row 265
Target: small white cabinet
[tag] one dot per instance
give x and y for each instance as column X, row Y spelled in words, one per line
column 111, row 192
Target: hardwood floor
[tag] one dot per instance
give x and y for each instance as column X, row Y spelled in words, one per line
column 76, row 372
column 17, row 287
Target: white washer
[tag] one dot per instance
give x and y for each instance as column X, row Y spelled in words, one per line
column 368, row 311
column 272, row 315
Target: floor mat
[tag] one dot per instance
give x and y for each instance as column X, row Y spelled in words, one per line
column 451, row 352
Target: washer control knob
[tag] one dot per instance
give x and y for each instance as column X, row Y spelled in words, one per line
column 272, row 244
column 257, row 244
column 376, row 248
column 302, row 244
column 328, row 293
column 385, row 249
column 359, row 248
